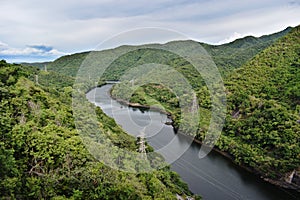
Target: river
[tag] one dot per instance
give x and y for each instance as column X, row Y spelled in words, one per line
column 213, row 177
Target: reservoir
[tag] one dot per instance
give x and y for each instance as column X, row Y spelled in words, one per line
column 213, row 177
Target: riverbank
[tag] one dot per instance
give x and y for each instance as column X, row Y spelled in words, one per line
column 214, row 177
column 140, row 106
column 281, row 183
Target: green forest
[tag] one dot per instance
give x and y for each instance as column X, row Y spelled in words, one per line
column 42, row 155
column 262, row 127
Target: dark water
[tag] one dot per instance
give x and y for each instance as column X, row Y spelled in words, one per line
column 213, row 177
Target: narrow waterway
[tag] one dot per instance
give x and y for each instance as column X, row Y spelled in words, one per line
column 213, row 177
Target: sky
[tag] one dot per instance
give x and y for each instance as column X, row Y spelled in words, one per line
column 35, row 31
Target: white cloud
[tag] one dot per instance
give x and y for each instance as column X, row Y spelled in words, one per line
column 30, row 53
column 73, row 26
column 39, row 50
column 3, row 45
column 232, row 38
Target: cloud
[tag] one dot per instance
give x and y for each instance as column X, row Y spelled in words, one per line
column 73, row 26
column 232, row 38
column 3, row 45
column 294, row 3
column 40, row 50
column 28, row 53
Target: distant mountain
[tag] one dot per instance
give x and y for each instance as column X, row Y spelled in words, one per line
column 262, row 79
column 234, row 54
column 227, row 56
column 262, row 127
column 40, row 65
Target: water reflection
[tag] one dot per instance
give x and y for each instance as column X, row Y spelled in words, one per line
column 214, row 177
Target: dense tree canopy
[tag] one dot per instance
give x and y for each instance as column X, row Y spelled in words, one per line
column 262, row 127
column 42, row 156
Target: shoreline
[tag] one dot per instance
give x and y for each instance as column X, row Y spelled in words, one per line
column 282, row 184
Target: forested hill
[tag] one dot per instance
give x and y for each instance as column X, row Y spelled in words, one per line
column 40, row 65
column 43, row 157
column 234, row 54
column 264, row 110
column 262, row 127
column 227, row 56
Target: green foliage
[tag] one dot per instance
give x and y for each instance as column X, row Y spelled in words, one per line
column 67, row 65
column 261, row 129
column 234, row 54
column 262, row 98
column 40, row 65
column 43, row 157
column 227, row 57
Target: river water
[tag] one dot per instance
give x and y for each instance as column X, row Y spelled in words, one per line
column 213, row 177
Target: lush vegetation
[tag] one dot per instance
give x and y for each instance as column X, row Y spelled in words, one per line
column 234, row 54
column 42, row 155
column 262, row 128
column 227, row 56
column 263, row 109
column 40, row 65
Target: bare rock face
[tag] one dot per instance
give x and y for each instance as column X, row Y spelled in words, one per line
column 292, row 180
column 289, row 177
column 296, row 178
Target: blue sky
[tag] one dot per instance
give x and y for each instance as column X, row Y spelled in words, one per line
column 33, row 30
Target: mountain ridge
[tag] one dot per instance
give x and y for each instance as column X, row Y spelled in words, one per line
column 262, row 128
column 226, row 56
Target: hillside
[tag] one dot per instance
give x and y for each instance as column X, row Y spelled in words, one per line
column 262, row 128
column 261, row 76
column 234, row 54
column 227, row 56
column 264, row 110
column 42, row 155
column 40, row 65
